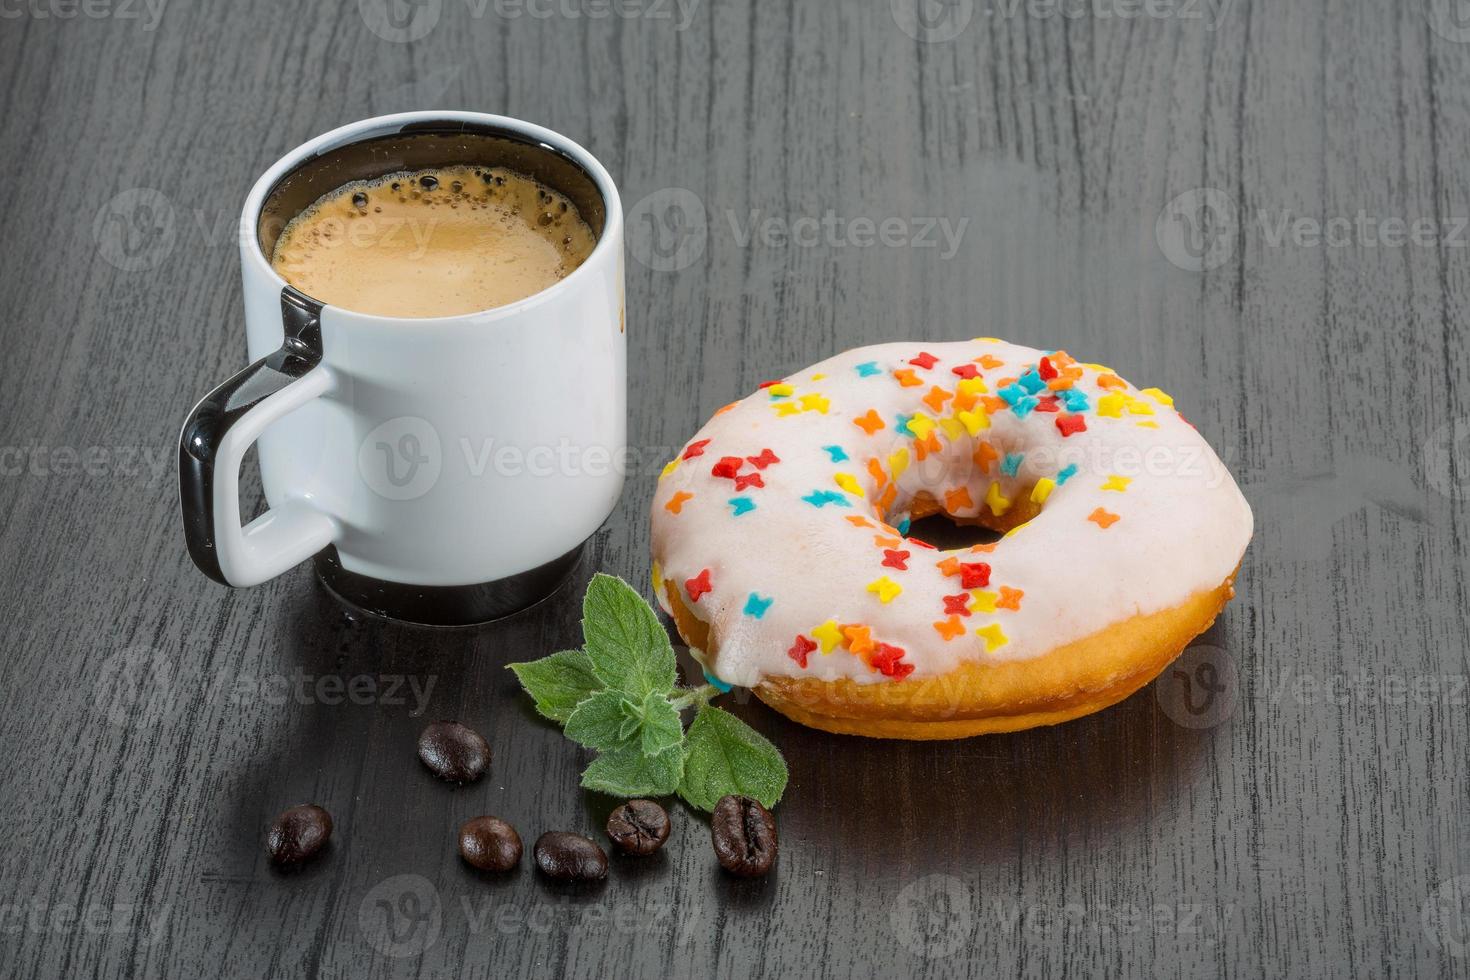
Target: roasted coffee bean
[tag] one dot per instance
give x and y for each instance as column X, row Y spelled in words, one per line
column 490, row 844
column 454, row 752
column 745, row 836
column 638, row 827
column 570, row 857
column 298, row 834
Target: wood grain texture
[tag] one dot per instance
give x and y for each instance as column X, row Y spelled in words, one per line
column 154, row 722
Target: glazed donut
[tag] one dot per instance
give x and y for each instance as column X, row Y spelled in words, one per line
column 781, row 542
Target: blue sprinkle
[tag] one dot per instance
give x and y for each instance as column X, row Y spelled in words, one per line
column 1012, row 463
column 1024, row 407
column 901, row 425
column 903, row 526
column 837, row 453
column 720, row 685
column 868, row 368
column 1012, row 393
column 755, row 606
column 1031, row 381
column 821, row 498
column 1076, row 401
column 1067, row 472
column 742, row 505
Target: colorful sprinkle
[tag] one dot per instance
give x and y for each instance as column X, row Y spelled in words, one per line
column 1009, row 598
column 1071, row 424
column 756, row 606
column 673, row 465
column 924, row 360
column 898, row 461
column 800, row 649
column 1011, row 465
column 698, row 585
column 998, row 502
column 957, row 605
column 868, row 368
column 993, row 636
column 974, row 575
column 901, row 425
column 849, row 483
column 1158, row 396
column 869, row 422
column 1066, row 473
column 829, row 635
column 958, row 500
column 966, row 370
column 1042, row 490
column 718, row 684
column 780, row 389
column 896, row 559
column 696, row 448
column 676, row 502
column 948, row 628
column 727, row 467
column 741, row 505
column 1102, row 518
column 1116, row 483
column 907, row 378
column 886, row 659
column 766, row 458
column 984, row 601
column 885, row 589
column 821, row 498
column 859, row 638
column 837, row 453
column 749, row 480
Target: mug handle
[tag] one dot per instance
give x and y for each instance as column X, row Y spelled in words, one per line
column 220, row 429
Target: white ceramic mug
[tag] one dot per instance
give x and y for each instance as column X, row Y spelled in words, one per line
column 441, row 470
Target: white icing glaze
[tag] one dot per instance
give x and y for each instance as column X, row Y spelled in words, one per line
column 1182, row 524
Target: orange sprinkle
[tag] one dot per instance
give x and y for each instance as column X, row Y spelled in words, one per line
column 989, row 362
column 949, row 628
column 993, row 403
column 859, row 638
column 1009, row 598
column 858, row 521
column 958, row 499
column 1103, row 518
column 726, row 408
column 936, row 398
column 907, row 378
column 889, row 496
column 875, row 469
column 676, row 502
column 1110, row 381
column 928, row 444
column 983, row 549
column 949, row 566
column 985, row 454
column 1005, row 382
column 869, row 422
column 964, row 401
column 884, row 541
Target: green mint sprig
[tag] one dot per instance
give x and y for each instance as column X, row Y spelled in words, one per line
column 620, row 696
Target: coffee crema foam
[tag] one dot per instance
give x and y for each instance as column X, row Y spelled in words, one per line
column 441, row 242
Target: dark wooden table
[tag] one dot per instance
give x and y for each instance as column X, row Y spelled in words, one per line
column 1259, row 207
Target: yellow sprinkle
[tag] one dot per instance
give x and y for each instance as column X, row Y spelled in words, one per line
column 669, row 467
column 814, row 403
column 972, row 386
column 658, row 579
column 784, row 388
column 818, row 377
column 975, row 422
column 829, row 635
column 998, row 503
column 786, row 408
column 921, row 425
column 987, row 340
column 993, row 636
column 1147, row 425
column 898, row 462
column 953, row 428
column 1137, row 406
column 1117, row 483
column 1101, row 368
column 1112, row 404
column 1157, row 396
column 1015, row 530
column 849, row 483
column 1042, row 490
column 885, row 588
column 984, row 601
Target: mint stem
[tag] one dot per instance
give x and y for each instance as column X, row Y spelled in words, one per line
column 694, row 695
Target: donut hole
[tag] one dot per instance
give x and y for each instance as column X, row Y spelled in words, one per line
column 950, row 534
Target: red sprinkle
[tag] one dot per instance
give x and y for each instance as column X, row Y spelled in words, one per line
column 698, row 585
column 1046, row 370
column 1047, row 406
column 924, row 360
column 957, row 605
column 767, row 384
column 974, row 575
column 766, row 458
column 966, row 371
column 921, row 544
column 885, row 657
column 1070, row 424
column 896, row 559
column 696, row 449
column 748, row 480
column 728, row 466
column 800, row 649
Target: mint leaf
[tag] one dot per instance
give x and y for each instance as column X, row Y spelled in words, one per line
column 723, row 755
column 661, row 726
column 558, row 683
column 628, row 772
column 598, row 722
column 625, row 642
